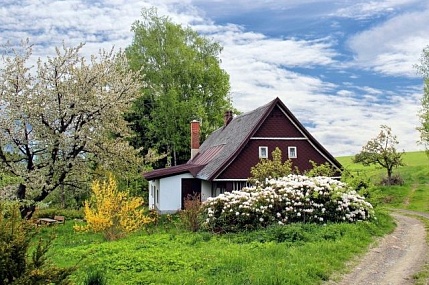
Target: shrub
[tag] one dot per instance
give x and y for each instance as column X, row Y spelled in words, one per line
column 15, row 267
column 395, row 179
column 112, row 212
column 294, row 198
column 190, row 215
column 95, row 277
column 324, row 169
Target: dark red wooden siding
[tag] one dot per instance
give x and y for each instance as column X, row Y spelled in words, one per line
column 240, row 168
column 277, row 125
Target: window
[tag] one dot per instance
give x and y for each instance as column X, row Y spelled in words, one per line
column 238, row 185
column 218, row 188
column 157, row 195
column 263, row 152
column 291, row 150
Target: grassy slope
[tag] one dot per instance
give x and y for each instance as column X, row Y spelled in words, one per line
column 307, row 254
column 413, row 194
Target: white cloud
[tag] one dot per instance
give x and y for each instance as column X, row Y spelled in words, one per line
column 362, row 10
column 394, row 46
column 342, row 116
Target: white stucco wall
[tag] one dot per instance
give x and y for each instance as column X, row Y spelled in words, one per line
column 170, row 194
column 153, row 185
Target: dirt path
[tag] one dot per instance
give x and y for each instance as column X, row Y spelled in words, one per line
column 395, row 258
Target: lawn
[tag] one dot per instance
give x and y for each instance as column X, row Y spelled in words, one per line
column 295, row 254
column 292, row 254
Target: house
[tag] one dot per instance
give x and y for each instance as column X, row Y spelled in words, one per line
column 223, row 161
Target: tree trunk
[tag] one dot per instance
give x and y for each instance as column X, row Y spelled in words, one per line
column 389, row 176
column 27, row 210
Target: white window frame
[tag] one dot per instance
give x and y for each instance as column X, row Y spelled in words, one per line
column 261, row 148
column 292, row 152
column 239, row 185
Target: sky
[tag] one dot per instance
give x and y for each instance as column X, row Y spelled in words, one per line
column 343, row 68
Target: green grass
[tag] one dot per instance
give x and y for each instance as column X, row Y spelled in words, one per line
column 415, row 158
column 293, row 254
column 296, row 254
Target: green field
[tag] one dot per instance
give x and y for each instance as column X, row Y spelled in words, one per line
column 412, row 195
column 293, row 254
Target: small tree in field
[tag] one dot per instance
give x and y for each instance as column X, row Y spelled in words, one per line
column 381, row 151
column 112, row 212
column 267, row 168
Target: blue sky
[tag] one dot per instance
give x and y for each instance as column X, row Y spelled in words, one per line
column 342, row 67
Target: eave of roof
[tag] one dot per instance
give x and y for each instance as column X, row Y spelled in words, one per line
column 193, row 169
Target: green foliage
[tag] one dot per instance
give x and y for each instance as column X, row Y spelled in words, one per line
column 95, row 277
column 184, row 81
column 324, row 169
column 15, row 239
column 381, row 151
column 294, row 254
column 69, row 214
column 267, row 168
column 423, row 69
column 190, row 215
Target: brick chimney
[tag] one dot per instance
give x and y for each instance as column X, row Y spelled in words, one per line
column 195, row 138
column 227, row 117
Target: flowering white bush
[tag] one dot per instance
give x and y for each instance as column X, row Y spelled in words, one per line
column 294, row 198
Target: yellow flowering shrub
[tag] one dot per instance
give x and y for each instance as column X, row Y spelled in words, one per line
column 112, row 212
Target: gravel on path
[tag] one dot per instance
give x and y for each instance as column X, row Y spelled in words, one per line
column 395, row 258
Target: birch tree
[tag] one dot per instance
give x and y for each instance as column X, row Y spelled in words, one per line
column 62, row 114
column 184, row 82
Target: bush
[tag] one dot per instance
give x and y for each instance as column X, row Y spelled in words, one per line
column 15, row 267
column 112, row 212
column 394, row 180
column 190, row 215
column 290, row 199
column 95, row 277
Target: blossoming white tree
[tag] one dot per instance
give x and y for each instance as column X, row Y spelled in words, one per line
column 60, row 115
